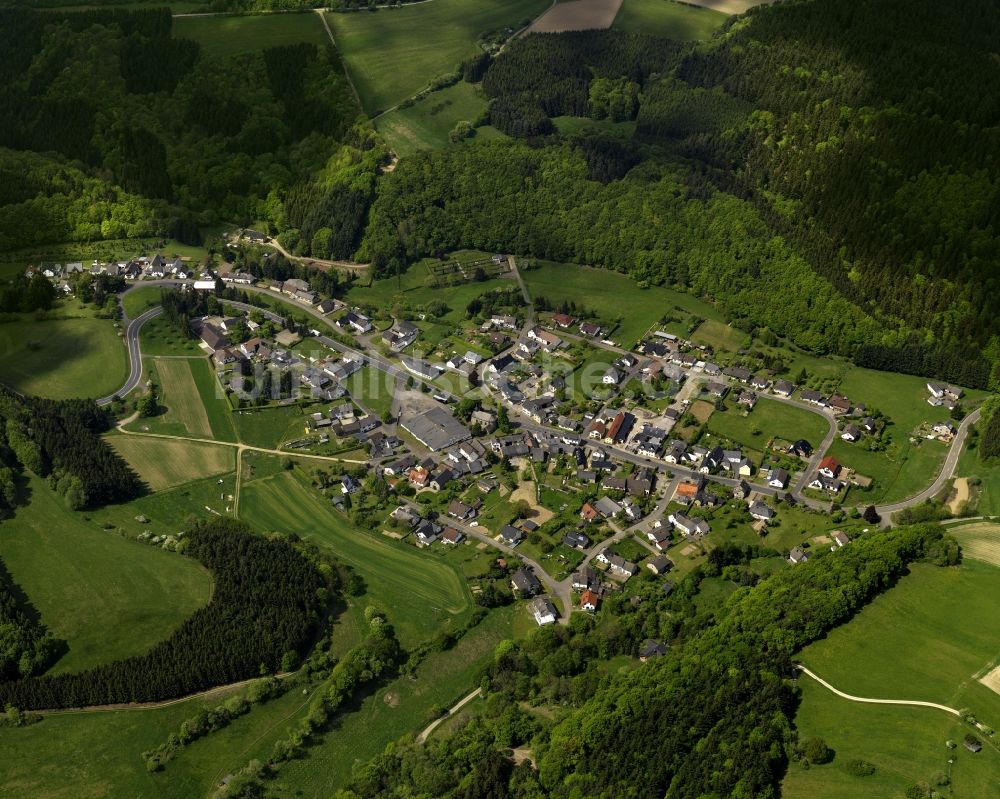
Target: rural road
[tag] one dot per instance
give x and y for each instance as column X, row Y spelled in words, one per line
column 134, row 355
column 426, row 731
column 947, row 470
column 869, row 701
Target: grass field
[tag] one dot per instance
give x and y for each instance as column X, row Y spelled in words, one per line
column 223, row 37
column 373, row 388
column 393, row 53
column 930, row 637
column 772, row 419
column 900, row 472
column 668, row 19
column 419, row 594
column 720, row 336
column 988, row 491
column 586, row 286
column 165, row 463
column 107, row 597
column 584, row 126
column 188, row 391
column 270, row 427
column 140, row 299
column 427, row 123
column 160, row 337
column 397, row 710
column 979, row 540
column 80, row 356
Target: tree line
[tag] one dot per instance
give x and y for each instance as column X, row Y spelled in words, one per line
column 267, row 601
column 711, row 717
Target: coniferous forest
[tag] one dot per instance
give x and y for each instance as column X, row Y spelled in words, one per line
column 268, row 600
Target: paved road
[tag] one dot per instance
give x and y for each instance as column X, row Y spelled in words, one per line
column 869, row 701
column 134, row 355
column 947, row 470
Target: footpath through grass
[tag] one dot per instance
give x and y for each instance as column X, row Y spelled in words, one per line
column 392, row 53
column 107, row 597
column 929, row 638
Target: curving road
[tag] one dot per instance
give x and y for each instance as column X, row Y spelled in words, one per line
column 134, row 355
column 870, row 701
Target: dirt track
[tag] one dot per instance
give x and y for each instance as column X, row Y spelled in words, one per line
column 577, row 15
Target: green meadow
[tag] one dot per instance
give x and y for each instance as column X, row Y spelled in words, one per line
column 928, row 638
column 769, row 419
column 226, row 36
column 107, row 597
column 668, row 19
column 74, row 354
column 392, row 53
column 426, row 124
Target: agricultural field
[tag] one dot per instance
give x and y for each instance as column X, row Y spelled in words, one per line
column 400, row 708
column 165, row 463
column 392, row 53
column 980, row 540
column 192, row 397
column 107, row 597
column 76, row 355
column 943, row 620
column 420, row 595
column 579, row 15
column 986, row 494
column 426, row 124
column 225, row 36
column 586, row 286
column 669, row 19
column 769, row 419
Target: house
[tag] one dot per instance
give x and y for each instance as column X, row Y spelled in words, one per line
column 419, row 477
column 761, row 512
column 778, row 478
column 851, row 433
column 760, row 383
column 784, row 388
column 619, row 428
column 691, row 526
column 675, row 452
column 868, row 424
column 452, row 536
column 798, row 555
column 839, row 404
column 712, row 460
column 441, row 477
column 747, row 398
column 612, row 377
column 828, row 484
column 546, row 340
column 427, row 533
column 213, row 338
column 500, row 364
column 401, row 466
column 506, row 322
column 326, row 307
column 563, row 320
column 651, row 649
column 617, row 565
column 738, row 373
column 543, row 611
column 812, row 397
column 944, row 429
column 589, row 600
column 404, row 515
column 401, row 336
column 840, row 538
column 661, row 564
column 607, row 507
column 348, row 485
column 829, row 467
column 590, row 329
column 487, row 420
column 686, row 492
column 801, row 448
column 576, row 540
column 972, row 744
column 511, row 536
column 742, row 490
column 459, row 510
column 717, row 390
column 943, row 391
column 357, row 322
column 525, row 582
column 585, row 579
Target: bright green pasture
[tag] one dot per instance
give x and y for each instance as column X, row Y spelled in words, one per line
column 107, row 597
column 589, row 288
column 668, row 19
column 898, row 473
column 392, row 53
column 420, row 595
column 222, row 37
column 426, row 124
column 987, row 493
column 928, row 638
column 81, row 356
column 770, row 419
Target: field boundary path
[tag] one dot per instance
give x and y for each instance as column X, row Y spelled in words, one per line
column 426, row 731
column 870, row 701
